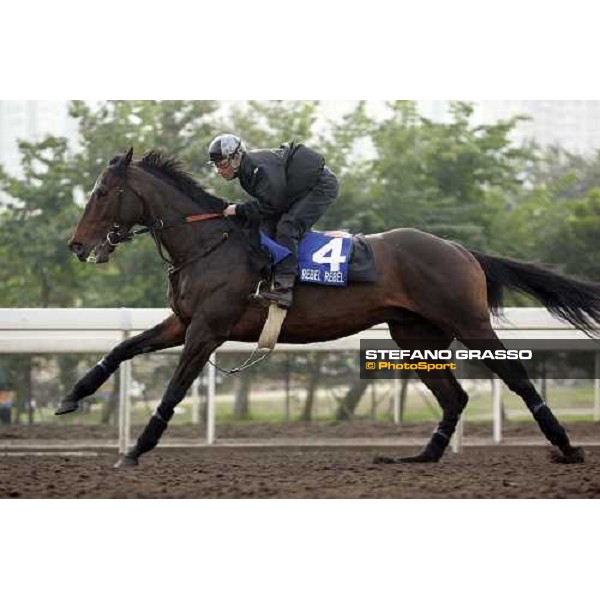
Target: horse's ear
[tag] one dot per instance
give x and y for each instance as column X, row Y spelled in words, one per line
column 128, row 157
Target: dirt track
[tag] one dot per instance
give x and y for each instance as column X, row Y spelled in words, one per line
column 491, row 472
column 297, row 472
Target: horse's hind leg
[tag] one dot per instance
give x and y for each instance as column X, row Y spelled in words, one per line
column 451, row 397
column 169, row 333
column 513, row 373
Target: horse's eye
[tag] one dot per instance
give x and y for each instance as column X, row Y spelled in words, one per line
column 100, row 191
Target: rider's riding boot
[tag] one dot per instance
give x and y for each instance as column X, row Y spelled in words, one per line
column 281, row 291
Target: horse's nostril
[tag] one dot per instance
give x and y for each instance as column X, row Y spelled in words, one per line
column 76, row 247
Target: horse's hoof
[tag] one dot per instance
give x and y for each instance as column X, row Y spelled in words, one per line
column 66, row 406
column 126, row 462
column 572, row 456
column 392, row 460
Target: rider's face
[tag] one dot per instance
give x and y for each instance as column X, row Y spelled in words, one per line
column 225, row 169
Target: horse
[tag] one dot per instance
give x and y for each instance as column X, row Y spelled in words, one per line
column 429, row 291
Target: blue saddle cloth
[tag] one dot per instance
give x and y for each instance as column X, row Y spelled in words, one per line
column 323, row 257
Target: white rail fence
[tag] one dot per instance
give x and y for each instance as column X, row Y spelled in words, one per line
column 83, row 330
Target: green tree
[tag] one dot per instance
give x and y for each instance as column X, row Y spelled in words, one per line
column 269, row 124
column 560, row 223
column 575, row 243
column 35, row 263
column 451, row 179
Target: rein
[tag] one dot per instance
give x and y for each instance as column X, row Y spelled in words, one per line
column 160, row 225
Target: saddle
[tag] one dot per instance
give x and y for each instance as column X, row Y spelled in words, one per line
column 332, row 258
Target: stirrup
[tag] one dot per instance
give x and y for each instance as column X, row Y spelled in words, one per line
column 256, row 296
column 281, row 299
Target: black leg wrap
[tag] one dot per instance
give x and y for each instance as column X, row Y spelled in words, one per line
column 110, row 363
column 86, row 386
column 150, row 436
column 91, row 381
column 551, row 427
column 437, row 445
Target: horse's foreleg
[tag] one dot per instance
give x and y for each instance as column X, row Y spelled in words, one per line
column 200, row 344
column 169, row 333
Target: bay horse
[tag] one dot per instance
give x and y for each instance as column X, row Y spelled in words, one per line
column 429, row 291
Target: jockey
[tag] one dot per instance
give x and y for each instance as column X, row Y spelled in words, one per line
column 290, row 187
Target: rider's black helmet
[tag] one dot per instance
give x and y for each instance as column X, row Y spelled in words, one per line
column 224, row 146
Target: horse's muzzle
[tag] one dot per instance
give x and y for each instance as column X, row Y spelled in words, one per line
column 79, row 250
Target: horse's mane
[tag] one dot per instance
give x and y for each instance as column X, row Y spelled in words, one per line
column 170, row 169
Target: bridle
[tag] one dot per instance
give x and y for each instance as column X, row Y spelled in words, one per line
column 120, row 234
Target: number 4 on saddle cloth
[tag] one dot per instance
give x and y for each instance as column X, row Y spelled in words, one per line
column 329, row 257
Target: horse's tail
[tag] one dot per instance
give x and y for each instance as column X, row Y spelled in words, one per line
column 569, row 299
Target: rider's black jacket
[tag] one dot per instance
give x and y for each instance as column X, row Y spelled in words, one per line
column 277, row 178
